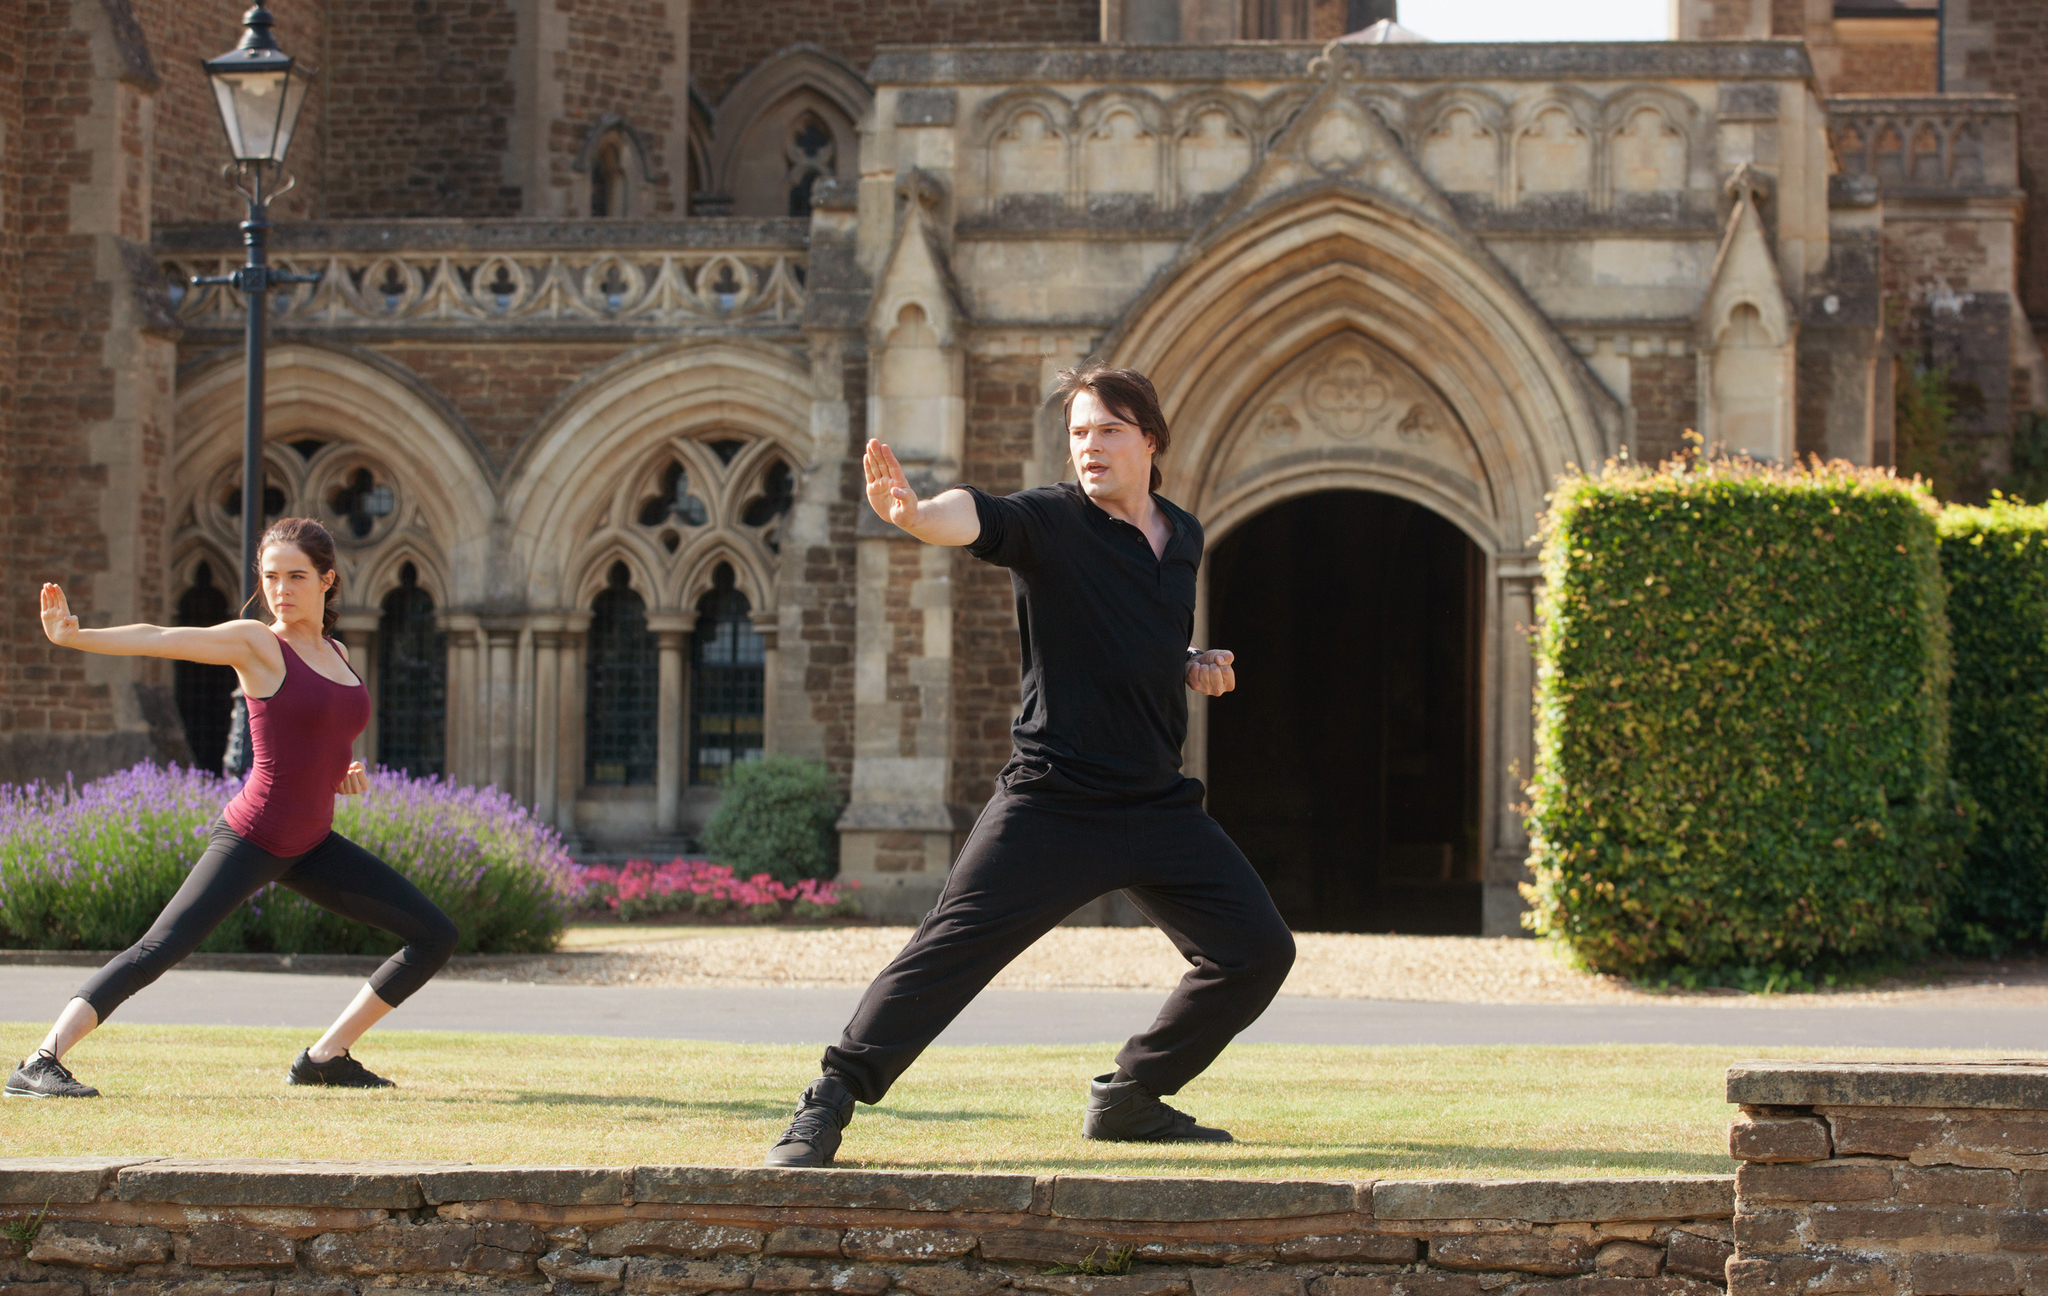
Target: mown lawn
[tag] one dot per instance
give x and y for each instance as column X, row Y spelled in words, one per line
column 1298, row 1111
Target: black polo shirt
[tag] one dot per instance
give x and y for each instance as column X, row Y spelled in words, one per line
column 1105, row 628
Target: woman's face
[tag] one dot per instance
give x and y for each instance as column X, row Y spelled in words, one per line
column 294, row 588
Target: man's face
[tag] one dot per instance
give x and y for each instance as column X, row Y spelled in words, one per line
column 1113, row 458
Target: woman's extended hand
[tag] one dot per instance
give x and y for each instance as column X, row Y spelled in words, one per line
column 58, row 623
column 357, row 780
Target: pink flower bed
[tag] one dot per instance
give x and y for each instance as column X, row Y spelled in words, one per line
column 644, row 889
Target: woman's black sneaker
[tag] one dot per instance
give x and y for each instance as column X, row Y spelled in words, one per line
column 342, row 1071
column 43, row 1076
column 1127, row 1112
column 812, row 1139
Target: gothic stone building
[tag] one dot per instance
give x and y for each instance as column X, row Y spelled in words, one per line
column 613, row 291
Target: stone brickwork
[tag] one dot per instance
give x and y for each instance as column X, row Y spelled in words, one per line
column 502, row 391
column 91, row 398
column 2003, row 48
column 1886, row 67
column 1664, row 390
column 1892, row 1180
column 1002, row 409
column 729, row 36
column 624, row 59
column 422, row 95
column 138, row 1227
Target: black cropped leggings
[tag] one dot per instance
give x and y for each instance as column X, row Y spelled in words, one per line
column 337, row 875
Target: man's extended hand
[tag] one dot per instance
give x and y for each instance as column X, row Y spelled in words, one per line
column 1210, row 673
column 889, row 490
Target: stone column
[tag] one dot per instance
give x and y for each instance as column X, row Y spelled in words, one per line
column 569, row 687
column 462, row 630
column 499, row 703
column 1514, row 743
column 670, row 721
column 358, row 631
column 1893, row 1179
column 522, row 717
column 547, row 642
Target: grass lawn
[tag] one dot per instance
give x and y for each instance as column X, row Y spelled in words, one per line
column 1298, row 1112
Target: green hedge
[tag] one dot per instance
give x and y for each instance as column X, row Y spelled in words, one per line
column 776, row 817
column 1742, row 731
column 1996, row 559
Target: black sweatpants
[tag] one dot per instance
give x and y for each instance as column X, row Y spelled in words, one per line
column 337, row 875
column 1041, row 850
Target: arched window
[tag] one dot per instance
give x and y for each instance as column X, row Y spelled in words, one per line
column 810, row 151
column 360, row 501
column 205, row 694
column 412, row 681
column 623, row 689
column 608, row 180
column 727, row 681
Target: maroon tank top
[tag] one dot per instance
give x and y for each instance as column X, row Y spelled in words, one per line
column 299, row 739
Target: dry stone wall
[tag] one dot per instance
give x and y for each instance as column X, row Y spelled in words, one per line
column 140, row 1227
column 1892, row 1180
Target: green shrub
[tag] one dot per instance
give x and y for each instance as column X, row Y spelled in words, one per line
column 90, row 867
column 1996, row 560
column 776, row 818
column 1742, row 733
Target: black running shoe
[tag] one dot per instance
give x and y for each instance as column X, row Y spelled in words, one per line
column 342, row 1071
column 43, row 1076
column 1127, row 1112
column 813, row 1137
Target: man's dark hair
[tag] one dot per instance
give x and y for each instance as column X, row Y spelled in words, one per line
column 1127, row 393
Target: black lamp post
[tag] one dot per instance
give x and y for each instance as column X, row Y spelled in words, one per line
column 259, row 89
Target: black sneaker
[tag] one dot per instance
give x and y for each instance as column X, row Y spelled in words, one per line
column 1127, row 1112
column 43, row 1076
column 341, row 1071
column 813, row 1137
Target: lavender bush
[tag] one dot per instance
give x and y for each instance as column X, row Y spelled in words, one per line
column 89, row 867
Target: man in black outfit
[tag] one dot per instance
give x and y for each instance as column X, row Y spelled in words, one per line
column 1092, row 800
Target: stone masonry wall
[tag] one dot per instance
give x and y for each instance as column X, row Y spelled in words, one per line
column 17, row 615
column 1890, row 1180
column 90, row 398
column 139, row 1227
column 613, row 62
column 727, row 37
column 421, row 98
column 185, row 178
column 1002, row 405
column 2013, row 60
column 1664, row 392
column 502, row 391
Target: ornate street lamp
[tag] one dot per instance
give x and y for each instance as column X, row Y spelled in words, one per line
column 259, row 89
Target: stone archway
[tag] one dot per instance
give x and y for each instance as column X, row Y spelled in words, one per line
column 1333, row 338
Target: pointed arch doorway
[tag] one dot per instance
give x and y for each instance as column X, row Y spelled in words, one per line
column 1347, row 763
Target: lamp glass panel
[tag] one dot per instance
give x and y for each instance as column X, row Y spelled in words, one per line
column 288, row 120
column 252, row 105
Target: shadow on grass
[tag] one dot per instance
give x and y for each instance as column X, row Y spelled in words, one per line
column 1394, row 1158
column 760, row 1108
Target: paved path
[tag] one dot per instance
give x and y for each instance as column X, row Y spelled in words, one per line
column 772, row 1016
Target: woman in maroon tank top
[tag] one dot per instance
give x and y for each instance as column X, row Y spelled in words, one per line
column 306, row 706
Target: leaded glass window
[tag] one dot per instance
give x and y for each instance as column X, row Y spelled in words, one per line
column 412, row 681
column 205, row 694
column 727, row 682
column 623, row 688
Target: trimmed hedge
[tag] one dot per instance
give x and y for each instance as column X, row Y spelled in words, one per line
column 90, row 867
column 776, row 817
column 1742, row 728
column 1996, row 559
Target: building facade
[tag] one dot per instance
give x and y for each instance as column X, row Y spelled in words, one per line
column 614, row 290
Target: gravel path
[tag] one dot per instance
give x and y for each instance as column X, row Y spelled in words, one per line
column 1439, row 969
